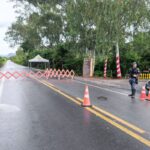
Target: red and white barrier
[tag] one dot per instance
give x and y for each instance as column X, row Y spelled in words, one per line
column 118, row 67
column 105, row 68
column 51, row 73
column 118, row 62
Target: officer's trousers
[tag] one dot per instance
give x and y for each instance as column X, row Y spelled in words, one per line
column 133, row 83
column 147, row 87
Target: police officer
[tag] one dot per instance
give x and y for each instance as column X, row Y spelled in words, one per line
column 147, row 87
column 133, row 75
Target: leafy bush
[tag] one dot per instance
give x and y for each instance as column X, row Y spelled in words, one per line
column 2, row 61
column 64, row 56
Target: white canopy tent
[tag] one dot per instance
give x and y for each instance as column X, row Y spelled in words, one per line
column 38, row 59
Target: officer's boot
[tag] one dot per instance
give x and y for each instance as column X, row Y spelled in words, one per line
column 133, row 93
column 147, row 92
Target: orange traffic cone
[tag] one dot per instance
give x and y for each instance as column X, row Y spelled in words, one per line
column 143, row 93
column 86, row 100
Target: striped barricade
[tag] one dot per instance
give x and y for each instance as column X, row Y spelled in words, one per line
column 61, row 74
column 48, row 73
column 144, row 76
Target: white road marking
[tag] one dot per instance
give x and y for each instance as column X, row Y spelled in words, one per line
column 1, row 87
column 8, row 108
column 103, row 83
column 106, row 89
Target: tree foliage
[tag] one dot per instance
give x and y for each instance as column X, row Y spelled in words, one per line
column 2, row 61
column 82, row 26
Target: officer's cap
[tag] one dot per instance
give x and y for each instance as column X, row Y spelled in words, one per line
column 134, row 63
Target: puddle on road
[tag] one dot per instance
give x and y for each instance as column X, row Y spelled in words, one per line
column 8, row 108
column 102, row 98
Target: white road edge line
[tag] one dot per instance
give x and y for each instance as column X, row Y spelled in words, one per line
column 1, row 86
column 102, row 88
column 101, row 82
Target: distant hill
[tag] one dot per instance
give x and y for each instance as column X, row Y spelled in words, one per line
column 11, row 55
column 8, row 55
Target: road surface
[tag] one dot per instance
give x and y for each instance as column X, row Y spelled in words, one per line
column 36, row 116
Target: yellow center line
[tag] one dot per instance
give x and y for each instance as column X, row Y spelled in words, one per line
column 117, row 125
column 122, row 128
column 117, row 118
column 60, row 92
column 141, row 131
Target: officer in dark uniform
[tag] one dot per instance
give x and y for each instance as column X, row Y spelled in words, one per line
column 133, row 75
column 147, row 87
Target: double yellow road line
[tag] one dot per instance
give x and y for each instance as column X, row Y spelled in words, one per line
column 119, row 123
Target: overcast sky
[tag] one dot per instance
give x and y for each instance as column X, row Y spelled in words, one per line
column 7, row 16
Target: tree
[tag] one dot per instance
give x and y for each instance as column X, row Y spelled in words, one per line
column 83, row 26
column 24, row 31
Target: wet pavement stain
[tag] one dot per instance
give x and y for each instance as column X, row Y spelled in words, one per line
column 102, row 98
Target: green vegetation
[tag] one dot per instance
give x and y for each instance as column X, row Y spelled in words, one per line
column 2, row 61
column 67, row 31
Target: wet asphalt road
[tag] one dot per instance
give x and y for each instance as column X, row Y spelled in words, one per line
column 118, row 103
column 34, row 117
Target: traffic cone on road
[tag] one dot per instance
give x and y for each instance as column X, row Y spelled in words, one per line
column 143, row 93
column 86, row 100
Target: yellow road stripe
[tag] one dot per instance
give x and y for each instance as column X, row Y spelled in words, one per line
column 117, row 119
column 122, row 128
column 58, row 91
column 141, row 131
